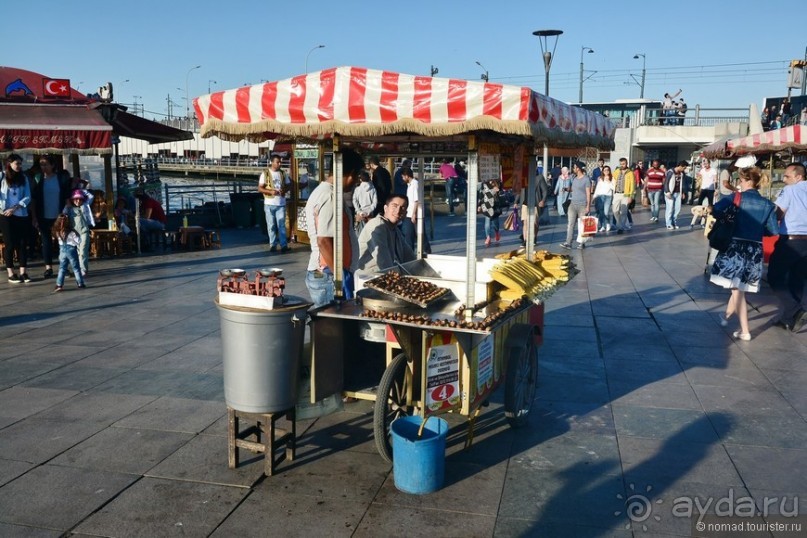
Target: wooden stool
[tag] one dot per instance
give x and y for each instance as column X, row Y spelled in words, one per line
column 213, row 238
column 104, row 243
column 274, row 438
column 193, row 237
column 171, row 239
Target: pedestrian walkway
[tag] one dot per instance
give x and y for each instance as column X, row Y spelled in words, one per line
column 112, row 416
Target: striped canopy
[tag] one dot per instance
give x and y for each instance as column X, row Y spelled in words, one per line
column 354, row 101
column 787, row 138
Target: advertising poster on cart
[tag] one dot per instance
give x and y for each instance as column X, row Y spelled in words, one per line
column 484, row 367
column 443, row 373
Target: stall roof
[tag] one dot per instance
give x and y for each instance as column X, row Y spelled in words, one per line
column 360, row 102
column 129, row 125
column 793, row 138
column 41, row 114
column 53, row 128
column 787, row 138
column 717, row 149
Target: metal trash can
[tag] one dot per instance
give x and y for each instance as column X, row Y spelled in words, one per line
column 262, row 353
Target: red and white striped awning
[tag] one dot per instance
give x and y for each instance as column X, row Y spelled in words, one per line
column 355, row 101
column 787, row 138
column 777, row 140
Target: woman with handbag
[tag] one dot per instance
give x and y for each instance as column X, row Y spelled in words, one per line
column 739, row 267
column 490, row 209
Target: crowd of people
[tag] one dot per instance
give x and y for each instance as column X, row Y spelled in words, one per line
column 44, row 206
column 778, row 115
column 611, row 196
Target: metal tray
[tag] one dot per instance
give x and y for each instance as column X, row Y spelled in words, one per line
column 443, row 293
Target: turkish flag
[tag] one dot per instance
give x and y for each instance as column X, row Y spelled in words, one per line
column 56, row 87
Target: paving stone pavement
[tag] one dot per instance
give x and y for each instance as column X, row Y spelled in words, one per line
column 112, row 415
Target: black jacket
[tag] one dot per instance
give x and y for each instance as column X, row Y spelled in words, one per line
column 38, row 195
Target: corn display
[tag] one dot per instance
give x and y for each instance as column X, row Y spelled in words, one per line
column 534, row 279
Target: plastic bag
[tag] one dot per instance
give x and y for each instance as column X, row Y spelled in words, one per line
column 587, row 225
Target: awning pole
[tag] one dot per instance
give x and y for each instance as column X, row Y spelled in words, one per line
column 338, row 225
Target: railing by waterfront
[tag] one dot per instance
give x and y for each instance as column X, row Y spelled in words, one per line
column 183, row 195
column 695, row 117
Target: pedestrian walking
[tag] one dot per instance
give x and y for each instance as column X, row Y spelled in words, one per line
column 739, row 268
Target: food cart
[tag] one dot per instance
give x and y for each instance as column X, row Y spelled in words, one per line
column 449, row 338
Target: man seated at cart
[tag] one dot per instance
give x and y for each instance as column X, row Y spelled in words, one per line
column 381, row 243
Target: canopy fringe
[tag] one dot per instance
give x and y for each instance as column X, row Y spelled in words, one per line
column 269, row 129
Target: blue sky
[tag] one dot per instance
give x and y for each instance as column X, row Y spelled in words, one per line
column 720, row 56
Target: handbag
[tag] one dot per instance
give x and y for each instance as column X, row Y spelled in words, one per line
column 508, row 222
column 566, row 204
column 723, row 227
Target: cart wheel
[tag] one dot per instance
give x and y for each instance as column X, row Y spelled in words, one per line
column 521, row 377
column 391, row 403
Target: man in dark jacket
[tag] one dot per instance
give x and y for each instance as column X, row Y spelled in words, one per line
column 541, row 194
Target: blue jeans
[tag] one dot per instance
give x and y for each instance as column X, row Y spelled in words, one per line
column 68, row 254
column 450, row 193
column 320, row 287
column 276, row 224
column 491, row 226
column 672, row 209
column 603, row 205
column 655, row 203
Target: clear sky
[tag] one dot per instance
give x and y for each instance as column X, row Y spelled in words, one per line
column 721, row 54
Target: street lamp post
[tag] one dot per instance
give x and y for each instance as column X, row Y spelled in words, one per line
column 485, row 76
column 433, row 71
column 582, row 50
column 644, row 71
column 309, row 54
column 119, row 85
column 187, row 100
column 543, row 37
column 209, row 82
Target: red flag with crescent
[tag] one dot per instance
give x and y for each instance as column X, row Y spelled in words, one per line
column 56, row 87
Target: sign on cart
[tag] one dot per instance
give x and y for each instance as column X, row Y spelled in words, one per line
column 442, row 373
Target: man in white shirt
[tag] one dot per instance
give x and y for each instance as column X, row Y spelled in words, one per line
column 707, row 179
column 274, row 191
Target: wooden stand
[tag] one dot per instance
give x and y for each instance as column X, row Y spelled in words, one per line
column 262, row 424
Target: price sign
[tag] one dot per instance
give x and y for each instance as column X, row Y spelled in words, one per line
column 443, row 372
column 489, row 167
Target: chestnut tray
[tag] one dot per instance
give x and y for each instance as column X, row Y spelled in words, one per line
column 443, row 292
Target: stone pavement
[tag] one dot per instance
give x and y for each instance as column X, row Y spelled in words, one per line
column 112, row 419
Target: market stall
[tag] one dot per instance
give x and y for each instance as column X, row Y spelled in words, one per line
column 45, row 115
column 452, row 328
column 792, row 138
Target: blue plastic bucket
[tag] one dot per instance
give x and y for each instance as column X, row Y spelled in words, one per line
column 418, row 463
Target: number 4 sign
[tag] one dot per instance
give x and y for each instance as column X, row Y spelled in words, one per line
column 442, row 373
